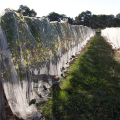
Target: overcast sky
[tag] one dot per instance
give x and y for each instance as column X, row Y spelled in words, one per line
column 70, row 8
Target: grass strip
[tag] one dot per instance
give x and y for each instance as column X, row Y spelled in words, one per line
column 91, row 91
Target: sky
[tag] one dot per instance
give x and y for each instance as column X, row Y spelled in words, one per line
column 71, row 8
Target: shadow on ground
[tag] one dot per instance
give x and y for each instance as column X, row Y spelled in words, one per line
column 92, row 89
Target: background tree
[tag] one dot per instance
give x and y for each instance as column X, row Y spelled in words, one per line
column 26, row 11
column 118, row 16
column 54, row 16
column 110, row 20
column 71, row 21
column 83, row 18
column 97, row 21
column 116, row 22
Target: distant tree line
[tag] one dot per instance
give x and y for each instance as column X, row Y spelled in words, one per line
column 84, row 18
column 87, row 19
column 97, row 21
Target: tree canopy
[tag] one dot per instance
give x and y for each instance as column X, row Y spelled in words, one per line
column 97, row 21
column 84, row 18
column 87, row 19
column 118, row 16
column 53, row 16
column 26, row 11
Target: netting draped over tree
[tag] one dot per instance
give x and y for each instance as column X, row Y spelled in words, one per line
column 33, row 53
column 113, row 36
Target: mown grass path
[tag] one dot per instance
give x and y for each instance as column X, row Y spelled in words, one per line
column 92, row 89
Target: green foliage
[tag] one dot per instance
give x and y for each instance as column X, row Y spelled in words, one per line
column 57, row 17
column 26, row 11
column 8, row 28
column 118, row 16
column 71, row 21
column 83, row 18
column 35, row 29
column 87, row 19
column 53, row 16
column 97, row 21
column 91, row 91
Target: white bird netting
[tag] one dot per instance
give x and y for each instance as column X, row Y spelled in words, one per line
column 113, row 36
column 33, row 53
